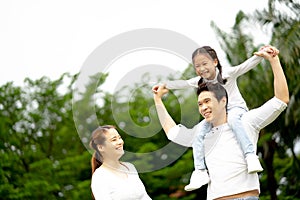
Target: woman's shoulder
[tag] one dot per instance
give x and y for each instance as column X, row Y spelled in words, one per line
column 100, row 177
column 129, row 166
column 99, row 172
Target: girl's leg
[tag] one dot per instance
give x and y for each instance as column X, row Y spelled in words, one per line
column 198, row 145
column 199, row 176
column 234, row 121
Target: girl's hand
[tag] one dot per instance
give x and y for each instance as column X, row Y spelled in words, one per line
column 269, row 49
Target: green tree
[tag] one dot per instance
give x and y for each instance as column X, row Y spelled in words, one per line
column 45, row 125
column 280, row 137
column 282, row 17
column 41, row 156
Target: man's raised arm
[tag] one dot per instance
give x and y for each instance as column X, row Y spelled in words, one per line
column 165, row 119
column 281, row 90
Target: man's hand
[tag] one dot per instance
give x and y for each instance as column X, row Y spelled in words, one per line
column 268, row 52
column 159, row 90
column 165, row 119
column 267, row 49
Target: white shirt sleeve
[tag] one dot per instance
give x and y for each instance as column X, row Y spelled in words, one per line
column 182, row 135
column 258, row 118
column 183, row 84
column 242, row 68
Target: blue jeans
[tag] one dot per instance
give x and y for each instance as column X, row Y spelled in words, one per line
column 198, row 145
column 246, row 198
column 234, row 121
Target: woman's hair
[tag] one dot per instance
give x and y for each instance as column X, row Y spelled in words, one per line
column 212, row 53
column 98, row 138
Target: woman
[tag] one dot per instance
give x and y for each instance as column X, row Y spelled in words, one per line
column 111, row 178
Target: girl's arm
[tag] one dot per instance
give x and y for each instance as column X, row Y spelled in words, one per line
column 244, row 67
column 252, row 62
column 178, row 84
column 182, row 84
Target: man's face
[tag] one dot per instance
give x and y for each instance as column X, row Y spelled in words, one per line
column 211, row 109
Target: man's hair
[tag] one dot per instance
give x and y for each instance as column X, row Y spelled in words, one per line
column 216, row 88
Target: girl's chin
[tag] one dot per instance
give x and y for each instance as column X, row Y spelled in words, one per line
column 207, row 77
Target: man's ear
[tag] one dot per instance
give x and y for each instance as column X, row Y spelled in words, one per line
column 224, row 101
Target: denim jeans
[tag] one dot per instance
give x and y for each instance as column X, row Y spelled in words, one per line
column 198, row 145
column 235, row 122
column 247, row 198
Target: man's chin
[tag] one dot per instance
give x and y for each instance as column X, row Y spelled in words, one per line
column 208, row 119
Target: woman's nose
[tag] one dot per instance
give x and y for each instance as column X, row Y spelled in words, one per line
column 120, row 141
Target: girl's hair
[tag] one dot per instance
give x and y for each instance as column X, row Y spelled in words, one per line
column 212, row 53
column 98, row 138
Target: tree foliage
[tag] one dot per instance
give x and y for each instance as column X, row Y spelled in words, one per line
column 41, row 156
column 277, row 141
column 45, row 125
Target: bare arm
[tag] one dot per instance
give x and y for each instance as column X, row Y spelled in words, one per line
column 165, row 119
column 280, row 84
column 257, row 119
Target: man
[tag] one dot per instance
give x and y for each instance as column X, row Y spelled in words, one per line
column 225, row 162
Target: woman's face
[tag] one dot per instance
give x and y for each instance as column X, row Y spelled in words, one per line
column 113, row 145
column 205, row 66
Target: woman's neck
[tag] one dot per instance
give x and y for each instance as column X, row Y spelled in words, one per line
column 116, row 168
column 114, row 164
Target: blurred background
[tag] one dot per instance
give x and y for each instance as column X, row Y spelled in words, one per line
column 43, row 46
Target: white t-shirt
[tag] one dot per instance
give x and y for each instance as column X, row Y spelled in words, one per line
column 226, row 164
column 224, row 158
column 106, row 185
column 231, row 74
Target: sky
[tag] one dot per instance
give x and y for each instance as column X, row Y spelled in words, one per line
column 48, row 38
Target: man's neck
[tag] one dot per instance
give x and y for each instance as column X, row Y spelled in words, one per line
column 221, row 121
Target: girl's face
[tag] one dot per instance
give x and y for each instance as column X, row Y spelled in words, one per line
column 205, row 66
